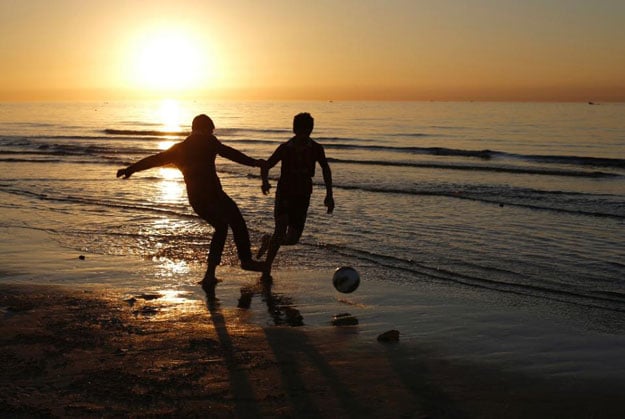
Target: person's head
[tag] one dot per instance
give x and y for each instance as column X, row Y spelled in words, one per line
column 202, row 124
column 303, row 124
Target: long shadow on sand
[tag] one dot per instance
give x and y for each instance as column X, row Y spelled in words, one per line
column 297, row 355
column 307, row 376
column 245, row 403
column 294, row 350
column 330, row 381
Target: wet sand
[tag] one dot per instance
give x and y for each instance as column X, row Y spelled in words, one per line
column 94, row 352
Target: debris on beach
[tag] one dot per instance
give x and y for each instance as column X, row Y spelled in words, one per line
column 121, row 351
column 81, row 257
column 389, row 336
column 146, row 311
column 148, row 297
column 131, row 301
column 350, row 302
column 344, row 319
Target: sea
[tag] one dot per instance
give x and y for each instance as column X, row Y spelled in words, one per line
column 490, row 232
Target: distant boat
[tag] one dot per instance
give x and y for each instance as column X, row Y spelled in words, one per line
column 591, row 103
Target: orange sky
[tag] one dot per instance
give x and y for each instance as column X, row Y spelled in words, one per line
column 324, row 49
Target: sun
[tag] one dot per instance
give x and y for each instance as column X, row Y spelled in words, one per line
column 169, row 59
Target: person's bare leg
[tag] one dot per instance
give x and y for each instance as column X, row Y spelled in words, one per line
column 264, row 245
column 253, row 265
column 235, row 220
column 210, row 272
column 274, row 244
column 209, row 282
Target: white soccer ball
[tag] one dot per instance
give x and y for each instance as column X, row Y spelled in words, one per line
column 346, row 279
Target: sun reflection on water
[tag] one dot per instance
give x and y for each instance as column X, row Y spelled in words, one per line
column 171, row 187
column 170, row 115
column 175, row 267
column 172, row 296
column 165, row 303
column 165, row 144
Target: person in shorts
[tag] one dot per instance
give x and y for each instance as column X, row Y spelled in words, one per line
column 298, row 157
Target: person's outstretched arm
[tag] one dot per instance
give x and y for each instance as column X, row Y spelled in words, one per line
column 156, row 160
column 237, row 156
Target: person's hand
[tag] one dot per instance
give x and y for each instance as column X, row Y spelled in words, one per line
column 265, row 187
column 126, row 173
column 329, row 202
column 262, row 163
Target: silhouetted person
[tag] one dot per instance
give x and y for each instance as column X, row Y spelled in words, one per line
column 299, row 156
column 195, row 158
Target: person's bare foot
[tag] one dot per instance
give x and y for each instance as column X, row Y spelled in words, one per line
column 208, row 285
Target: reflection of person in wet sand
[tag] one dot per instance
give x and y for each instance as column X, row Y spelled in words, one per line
column 195, row 157
column 279, row 307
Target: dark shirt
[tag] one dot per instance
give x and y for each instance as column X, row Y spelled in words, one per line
column 298, row 157
column 195, row 157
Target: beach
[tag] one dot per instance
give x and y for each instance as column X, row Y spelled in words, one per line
column 91, row 352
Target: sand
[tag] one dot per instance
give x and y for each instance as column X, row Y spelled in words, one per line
column 93, row 352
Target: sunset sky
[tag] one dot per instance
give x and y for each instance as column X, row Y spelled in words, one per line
column 322, row 49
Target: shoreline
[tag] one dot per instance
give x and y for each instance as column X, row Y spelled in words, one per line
column 91, row 351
